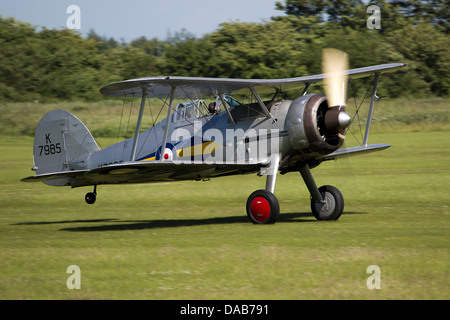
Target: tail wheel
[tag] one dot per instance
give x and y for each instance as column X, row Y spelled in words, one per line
column 90, row 197
column 262, row 207
column 332, row 207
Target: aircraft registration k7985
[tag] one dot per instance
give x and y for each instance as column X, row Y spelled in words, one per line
column 199, row 141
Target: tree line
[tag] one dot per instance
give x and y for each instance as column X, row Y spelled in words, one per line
column 47, row 65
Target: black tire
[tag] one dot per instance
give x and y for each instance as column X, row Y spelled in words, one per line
column 90, row 198
column 262, row 207
column 333, row 207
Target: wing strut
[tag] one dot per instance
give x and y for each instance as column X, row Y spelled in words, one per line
column 169, row 113
column 138, row 125
column 226, row 108
column 261, row 103
column 372, row 102
column 305, row 91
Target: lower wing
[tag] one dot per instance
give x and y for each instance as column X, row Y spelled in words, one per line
column 144, row 171
column 348, row 152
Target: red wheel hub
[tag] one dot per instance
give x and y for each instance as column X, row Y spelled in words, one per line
column 260, row 209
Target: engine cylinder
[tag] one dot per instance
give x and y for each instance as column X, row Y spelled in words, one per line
column 306, row 125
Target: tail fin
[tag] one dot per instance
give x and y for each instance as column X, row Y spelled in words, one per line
column 61, row 143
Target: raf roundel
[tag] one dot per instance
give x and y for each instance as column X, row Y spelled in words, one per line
column 168, row 155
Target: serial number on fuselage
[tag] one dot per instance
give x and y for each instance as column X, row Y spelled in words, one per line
column 109, row 164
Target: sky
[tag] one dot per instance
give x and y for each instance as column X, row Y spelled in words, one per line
column 130, row 19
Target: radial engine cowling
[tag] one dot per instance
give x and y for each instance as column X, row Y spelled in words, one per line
column 314, row 128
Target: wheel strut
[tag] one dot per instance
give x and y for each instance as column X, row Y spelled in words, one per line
column 311, row 184
column 262, row 205
column 327, row 202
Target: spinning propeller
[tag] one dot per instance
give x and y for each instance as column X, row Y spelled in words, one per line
column 335, row 66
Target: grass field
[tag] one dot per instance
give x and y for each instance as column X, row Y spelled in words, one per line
column 192, row 240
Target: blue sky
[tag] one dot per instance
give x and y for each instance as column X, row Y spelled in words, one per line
column 130, row 19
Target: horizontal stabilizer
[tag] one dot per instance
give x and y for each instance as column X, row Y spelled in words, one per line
column 347, row 152
column 54, row 176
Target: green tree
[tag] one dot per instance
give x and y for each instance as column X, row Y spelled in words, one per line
column 347, row 13
column 427, row 52
column 188, row 58
column 414, row 32
column 61, row 64
column 103, row 44
column 252, row 50
column 154, row 47
column 20, row 56
column 70, row 65
column 135, row 63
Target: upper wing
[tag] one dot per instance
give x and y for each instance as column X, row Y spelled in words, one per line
column 196, row 88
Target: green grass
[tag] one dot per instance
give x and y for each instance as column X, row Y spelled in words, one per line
column 192, row 240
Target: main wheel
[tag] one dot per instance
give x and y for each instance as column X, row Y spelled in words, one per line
column 262, row 207
column 90, row 197
column 333, row 206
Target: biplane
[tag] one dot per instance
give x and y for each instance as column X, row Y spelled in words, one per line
column 227, row 136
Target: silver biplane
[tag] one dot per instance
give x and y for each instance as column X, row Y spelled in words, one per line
column 199, row 141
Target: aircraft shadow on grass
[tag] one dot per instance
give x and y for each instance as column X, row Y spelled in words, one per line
column 123, row 225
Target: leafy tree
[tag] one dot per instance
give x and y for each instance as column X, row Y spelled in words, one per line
column 347, row 13
column 251, row 50
column 103, row 44
column 20, row 54
column 415, row 32
column 135, row 63
column 154, row 47
column 427, row 52
column 434, row 12
column 61, row 64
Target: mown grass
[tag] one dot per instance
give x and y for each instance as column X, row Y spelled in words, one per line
column 192, row 240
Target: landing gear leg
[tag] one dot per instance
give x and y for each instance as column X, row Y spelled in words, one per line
column 91, row 196
column 327, row 202
column 262, row 205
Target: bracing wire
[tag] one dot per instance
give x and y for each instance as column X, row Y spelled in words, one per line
column 357, row 111
column 153, row 121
